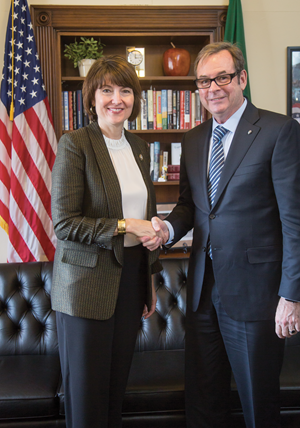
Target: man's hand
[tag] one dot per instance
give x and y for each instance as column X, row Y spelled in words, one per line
column 287, row 318
column 162, row 235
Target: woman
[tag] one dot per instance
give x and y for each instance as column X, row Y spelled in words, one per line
column 102, row 201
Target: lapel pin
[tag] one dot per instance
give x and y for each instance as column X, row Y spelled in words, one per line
column 250, row 132
column 141, row 157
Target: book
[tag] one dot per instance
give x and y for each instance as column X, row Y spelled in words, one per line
column 175, row 153
column 70, row 95
column 197, row 108
column 156, row 160
column 164, row 108
column 63, row 112
column 79, row 109
column 74, row 109
column 170, row 108
column 178, row 109
column 154, row 109
column 66, row 110
column 158, row 110
column 150, row 108
column 182, row 109
column 144, row 114
column 174, row 108
column 193, row 109
column 152, row 161
column 187, row 110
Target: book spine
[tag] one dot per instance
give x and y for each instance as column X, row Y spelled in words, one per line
column 70, row 110
column 152, row 161
column 74, row 110
column 150, row 108
column 164, row 108
column 63, row 112
column 154, row 109
column 187, row 112
column 182, row 109
column 156, row 160
column 178, row 109
column 144, row 111
column 197, row 109
column 193, row 108
column 66, row 110
column 158, row 110
column 79, row 109
column 170, row 109
column 175, row 153
column 174, row 111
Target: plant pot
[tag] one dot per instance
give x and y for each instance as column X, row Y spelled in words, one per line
column 84, row 65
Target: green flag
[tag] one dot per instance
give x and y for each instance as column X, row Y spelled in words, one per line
column 234, row 33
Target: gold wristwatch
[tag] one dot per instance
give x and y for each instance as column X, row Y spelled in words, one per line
column 121, row 227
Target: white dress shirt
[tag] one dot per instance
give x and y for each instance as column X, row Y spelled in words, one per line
column 133, row 188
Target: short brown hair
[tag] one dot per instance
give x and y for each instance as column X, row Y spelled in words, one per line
column 117, row 71
column 213, row 48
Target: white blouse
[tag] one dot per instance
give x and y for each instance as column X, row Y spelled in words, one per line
column 133, row 188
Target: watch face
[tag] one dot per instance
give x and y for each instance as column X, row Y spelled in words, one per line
column 135, row 57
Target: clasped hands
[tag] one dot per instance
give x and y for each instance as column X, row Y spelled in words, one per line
column 152, row 234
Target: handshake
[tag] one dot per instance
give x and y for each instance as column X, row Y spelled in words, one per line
column 152, row 234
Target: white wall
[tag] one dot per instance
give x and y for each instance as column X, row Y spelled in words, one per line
column 270, row 26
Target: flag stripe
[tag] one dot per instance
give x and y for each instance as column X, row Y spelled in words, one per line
column 4, row 176
column 31, row 170
column 20, row 249
column 40, row 135
column 33, row 198
column 31, row 216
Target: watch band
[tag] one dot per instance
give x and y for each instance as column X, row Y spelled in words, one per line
column 121, row 227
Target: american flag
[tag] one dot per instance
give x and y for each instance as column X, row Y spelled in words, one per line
column 27, row 145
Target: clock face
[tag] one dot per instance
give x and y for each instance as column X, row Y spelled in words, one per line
column 135, row 57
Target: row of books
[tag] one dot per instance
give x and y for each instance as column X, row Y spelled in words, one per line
column 73, row 115
column 160, row 170
column 169, row 109
column 165, row 109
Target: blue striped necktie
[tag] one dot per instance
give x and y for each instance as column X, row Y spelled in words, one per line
column 215, row 168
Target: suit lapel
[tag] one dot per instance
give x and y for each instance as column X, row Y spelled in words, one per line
column 107, row 171
column 110, row 181
column 203, row 150
column 244, row 136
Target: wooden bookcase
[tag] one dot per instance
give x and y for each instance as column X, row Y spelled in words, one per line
column 151, row 27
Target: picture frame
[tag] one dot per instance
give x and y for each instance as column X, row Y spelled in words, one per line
column 293, row 82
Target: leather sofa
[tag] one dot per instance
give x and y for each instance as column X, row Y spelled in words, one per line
column 31, row 394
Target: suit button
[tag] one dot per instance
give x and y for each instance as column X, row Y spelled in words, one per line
column 204, row 249
column 212, row 216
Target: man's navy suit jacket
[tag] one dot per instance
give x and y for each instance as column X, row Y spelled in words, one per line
column 254, row 223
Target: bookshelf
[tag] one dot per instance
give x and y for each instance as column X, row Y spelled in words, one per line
column 151, row 27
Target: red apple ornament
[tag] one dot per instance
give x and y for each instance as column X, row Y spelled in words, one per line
column 176, row 62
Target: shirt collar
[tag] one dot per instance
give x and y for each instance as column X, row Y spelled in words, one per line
column 232, row 123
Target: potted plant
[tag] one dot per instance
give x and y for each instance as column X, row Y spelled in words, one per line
column 84, row 53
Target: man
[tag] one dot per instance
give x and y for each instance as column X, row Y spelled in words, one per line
column 240, row 191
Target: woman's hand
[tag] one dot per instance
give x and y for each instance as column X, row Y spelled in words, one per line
column 146, row 313
column 140, row 228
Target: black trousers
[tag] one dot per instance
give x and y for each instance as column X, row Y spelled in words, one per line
column 215, row 344
column 96, row 355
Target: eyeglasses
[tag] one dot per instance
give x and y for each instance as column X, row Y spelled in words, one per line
column 222, row 80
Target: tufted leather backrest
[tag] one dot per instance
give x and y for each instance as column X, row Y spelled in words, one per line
column 165, row 329
column 27, row 322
